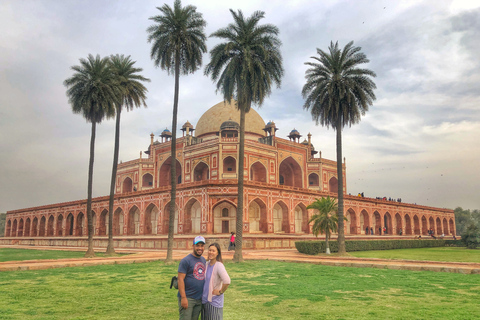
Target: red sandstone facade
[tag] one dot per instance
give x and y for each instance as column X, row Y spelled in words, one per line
column 282, row 177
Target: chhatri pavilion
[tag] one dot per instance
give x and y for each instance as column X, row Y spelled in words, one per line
column 282, row 177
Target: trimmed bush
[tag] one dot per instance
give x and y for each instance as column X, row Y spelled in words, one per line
column 316, row 247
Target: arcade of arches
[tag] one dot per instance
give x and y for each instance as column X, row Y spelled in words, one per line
column 216, row 215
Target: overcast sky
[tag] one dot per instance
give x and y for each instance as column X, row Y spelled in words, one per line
column 419, row 141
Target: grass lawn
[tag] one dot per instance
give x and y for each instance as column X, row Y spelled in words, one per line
column 454, row 254
column 259, row 290
column 12, row 254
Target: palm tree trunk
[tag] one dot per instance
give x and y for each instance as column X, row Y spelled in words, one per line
column 110, row 248
column 341, row 228
column 173, row 168
column 90, row 253
column 238, row 256
column 327, row 246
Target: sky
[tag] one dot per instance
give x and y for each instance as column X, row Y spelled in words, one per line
column 418, row 141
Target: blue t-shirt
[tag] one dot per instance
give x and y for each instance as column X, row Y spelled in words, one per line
column 194, row 269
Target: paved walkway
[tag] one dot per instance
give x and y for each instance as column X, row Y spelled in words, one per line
column 286, row 255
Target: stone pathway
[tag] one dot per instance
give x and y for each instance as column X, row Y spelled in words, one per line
column 286, row 255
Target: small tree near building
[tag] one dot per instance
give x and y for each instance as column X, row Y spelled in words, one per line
column 471, row 236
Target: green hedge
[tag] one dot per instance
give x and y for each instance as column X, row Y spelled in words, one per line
column 454, row 243
column 316, row 247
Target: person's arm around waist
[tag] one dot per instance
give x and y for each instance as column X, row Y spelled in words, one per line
column 181, row 290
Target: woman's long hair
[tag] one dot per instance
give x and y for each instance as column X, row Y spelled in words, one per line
column 216, row 245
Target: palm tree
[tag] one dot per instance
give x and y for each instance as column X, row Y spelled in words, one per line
column 178, row 39
column 326, row 221
column 92, row 91
column 244, row 66
column 338, row 93
column 132, row 95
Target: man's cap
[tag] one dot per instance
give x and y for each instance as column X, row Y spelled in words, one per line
column 198, row 239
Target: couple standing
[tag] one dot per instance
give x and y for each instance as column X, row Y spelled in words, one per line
column 201, row 284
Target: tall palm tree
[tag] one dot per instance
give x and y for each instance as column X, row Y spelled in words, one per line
column 326, row 221
column 132, row 95
column 337, row 93
column 178, row 39
column 244, row 66
column 92, row 91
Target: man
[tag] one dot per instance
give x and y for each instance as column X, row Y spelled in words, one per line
column 191, row 278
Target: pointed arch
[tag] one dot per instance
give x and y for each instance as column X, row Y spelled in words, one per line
column 290, row 173
column 408, row 225
column 150, row 223
column 229, row 165
column 364, row 222
column 224, row 213
column 27, row 227
column 201, row 172
column 424, row 230
column 50, row 226
column 166, row 217
column 20, row 228
column 133, row 223
column 377, row 223
column 280, row 217
column 387, row 222
column 313, row 180
column 258, row 172
column 301, row 218
column 147, row 180
column 35, row 227
column 164, row 175
column 351, row 223
column 445, row 226
column 193, row 216
column 14, row 228
column 43, row 225
column 257, row 216
column 333, row 185
column 118, row 219
column 439, row 226
column 398, row 224
column 60, row 225
column 127, row 185
column 80, row 224
column 103, row 223
column 452, row 227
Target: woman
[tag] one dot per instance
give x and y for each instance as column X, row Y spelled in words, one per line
column 231, row 246
column 216, row 283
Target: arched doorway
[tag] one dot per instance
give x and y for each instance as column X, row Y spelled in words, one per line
column 80, row 224
column 69, row 225
column 164, row 175
column 27, row 227
column 408, row 224
column 439, row 226
column 445, row 226
column 424, row 225
column 229, row 165
column 452, row 227
column 351, row 223
column 151, row 219
column 117, row 227
column 193, row 217
column 127, row 185
column 377, row 223
column 50, row 224
column 280, row 218
column 133, row 221
column 20, row 228
column 35, row 227
column 41, row 230
column 387, row 222
column 258, row 172
column 313, row 180
column 224, row 215
column 364, row 222
column 147, row 180
column 416, row 225
column 14, row 228
column 333, row 185
column 398, row 224
column 301, row 219
column 103, row 224
column 166, row 219
column 201, row 172
column 60, row 225
column 257, row 216
column 290, row 173
column 431, row 223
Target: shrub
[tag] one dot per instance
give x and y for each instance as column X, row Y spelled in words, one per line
column 471, row 236
column 316, row 247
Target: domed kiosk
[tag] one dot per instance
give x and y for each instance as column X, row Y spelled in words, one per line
column 282, row 176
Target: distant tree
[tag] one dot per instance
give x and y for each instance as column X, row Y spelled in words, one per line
column 338, row 93
column 3, row 218
column 245, row 65
column 132, row 94
column 92, row 92
column 326, row 221
column 471, row 236
column 178, row 39
column 463, row 218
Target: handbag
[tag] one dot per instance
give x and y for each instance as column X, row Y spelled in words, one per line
column 174, row 282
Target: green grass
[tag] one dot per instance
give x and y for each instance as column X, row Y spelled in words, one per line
column 11, row 254
column 454, row 254
column 259, row 290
